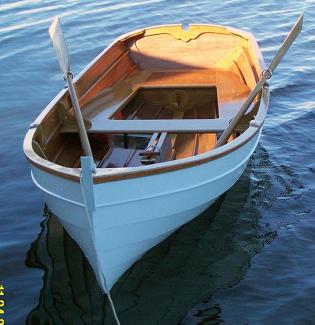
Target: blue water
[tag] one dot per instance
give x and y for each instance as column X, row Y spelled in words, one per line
column 250, row 259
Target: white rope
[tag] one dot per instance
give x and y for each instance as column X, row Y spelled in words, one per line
column 112, row 304
column 98, row 262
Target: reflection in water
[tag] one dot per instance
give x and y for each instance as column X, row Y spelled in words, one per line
column 70, row 294
column 210, row 253
column 269, row 183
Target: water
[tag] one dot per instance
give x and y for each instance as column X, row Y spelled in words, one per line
column 249, row 259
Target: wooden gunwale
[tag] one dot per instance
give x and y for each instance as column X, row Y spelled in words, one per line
column 138, row 173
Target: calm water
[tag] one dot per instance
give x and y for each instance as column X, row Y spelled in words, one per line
column 249, row 259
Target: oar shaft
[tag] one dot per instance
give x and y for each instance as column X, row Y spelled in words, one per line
column 267, row 74
column 75, row 103
column 233, row 124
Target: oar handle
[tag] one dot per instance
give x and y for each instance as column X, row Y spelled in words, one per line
column 295, row 31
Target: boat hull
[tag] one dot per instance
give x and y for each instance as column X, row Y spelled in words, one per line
column 133, row 215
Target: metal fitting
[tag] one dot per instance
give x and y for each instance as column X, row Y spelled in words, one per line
column 268, row 72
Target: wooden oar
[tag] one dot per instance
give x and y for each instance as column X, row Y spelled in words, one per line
column 56, row 35
column 266, row 75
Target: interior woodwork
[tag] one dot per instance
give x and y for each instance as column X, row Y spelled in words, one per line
column 131, row 81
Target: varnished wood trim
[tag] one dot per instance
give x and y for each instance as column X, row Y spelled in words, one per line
column 165, row 169
column 253, row 66
column 240, row 72
column 53, row 171
column 142, row 173
column 194, row 31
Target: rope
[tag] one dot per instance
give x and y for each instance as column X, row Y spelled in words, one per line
column 98, row 262
column 112, row 304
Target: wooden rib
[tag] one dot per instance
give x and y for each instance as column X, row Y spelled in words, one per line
column 247, row 70
column 135, row 112
column 185, row 143
column 132, row 153
column 195, row 148
column 68, row 150
column 159, row 111
column 99, row 67
column 118, row 70
column 240, row 72
column 60, row 150
column 77, row 162
column 107, row 154
column 250, row 60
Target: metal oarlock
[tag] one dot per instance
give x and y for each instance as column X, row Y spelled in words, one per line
column 268, row 73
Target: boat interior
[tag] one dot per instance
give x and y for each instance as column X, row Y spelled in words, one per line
column 159, row 94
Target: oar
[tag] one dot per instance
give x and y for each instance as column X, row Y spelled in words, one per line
column 266, row 75
column 56, row 35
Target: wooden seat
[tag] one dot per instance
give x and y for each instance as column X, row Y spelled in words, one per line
column 120, row 157
column 159, row 147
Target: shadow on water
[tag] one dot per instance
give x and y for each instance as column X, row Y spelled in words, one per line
column 210, row 253
column 279, row 286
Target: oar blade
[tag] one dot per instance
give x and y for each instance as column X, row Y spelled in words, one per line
column 295, row 31
column 57, row 38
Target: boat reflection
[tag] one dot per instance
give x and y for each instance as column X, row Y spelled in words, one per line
column 210, row 253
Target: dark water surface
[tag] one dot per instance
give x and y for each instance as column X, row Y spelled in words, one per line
column 249, row 259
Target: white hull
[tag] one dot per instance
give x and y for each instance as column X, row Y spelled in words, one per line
column 133, row 215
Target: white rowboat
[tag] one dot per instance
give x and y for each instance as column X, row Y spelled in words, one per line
column 154, row 104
